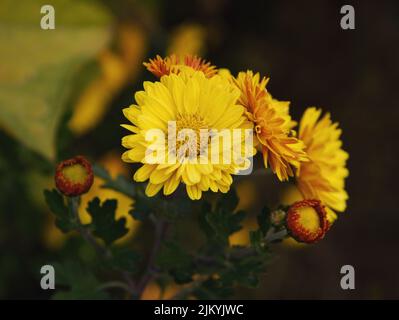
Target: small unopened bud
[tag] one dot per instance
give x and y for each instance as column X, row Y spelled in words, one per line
column 277, row 217
column 307, row 221
column 74, row 177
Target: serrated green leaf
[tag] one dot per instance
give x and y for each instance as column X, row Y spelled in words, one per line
column 172, row 254
column 219, row 223
column 78, row 283
column 175, row 260
column 125, row 259
column 244, row 271
column 224, row 223
column 64, row 221
column 142, row 204
column 141, row 209
column 104, row 224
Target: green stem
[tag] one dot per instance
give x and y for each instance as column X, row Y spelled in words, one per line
column 239, row 253
column 73, row 204
column 114, row 284
column 279, row 235
column 120, row 184
column 160, row 233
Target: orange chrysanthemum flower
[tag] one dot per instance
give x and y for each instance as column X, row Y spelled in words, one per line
column 273, row 125
column 173, row 64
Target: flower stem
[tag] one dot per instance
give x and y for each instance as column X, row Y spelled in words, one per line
column 161, row 227
column 73, row 204
column 115, row 284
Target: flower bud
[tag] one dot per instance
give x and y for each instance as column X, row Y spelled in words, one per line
column 74, row 177
column 277, row 217
column 307, row 221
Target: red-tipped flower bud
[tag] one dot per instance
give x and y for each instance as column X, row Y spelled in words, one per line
column 74, row 177
column 307, row 221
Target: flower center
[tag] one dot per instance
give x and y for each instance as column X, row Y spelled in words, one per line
column 309, row 218
column 75, row 173
column 195, row 123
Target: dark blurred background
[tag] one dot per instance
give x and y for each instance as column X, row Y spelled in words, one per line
column 311, row 62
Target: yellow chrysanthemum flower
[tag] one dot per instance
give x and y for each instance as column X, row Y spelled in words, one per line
column 191, row 101
column 174, row 64
column 273, row 125
column 323, row 177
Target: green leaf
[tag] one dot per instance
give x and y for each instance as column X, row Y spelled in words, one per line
column 203, row 223
column 78, row 282
column 40, row 67
column 104, row 224
column 142, row 207
column 245, row 270
column 142, row 204
column 125, row 259
column 120, row 184
column 175, row 260
column 224, row 223
column 220, row 223
column 64, row 221
column 256, row 238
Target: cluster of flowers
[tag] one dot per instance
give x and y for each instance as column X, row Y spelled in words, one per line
column 197, row 95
